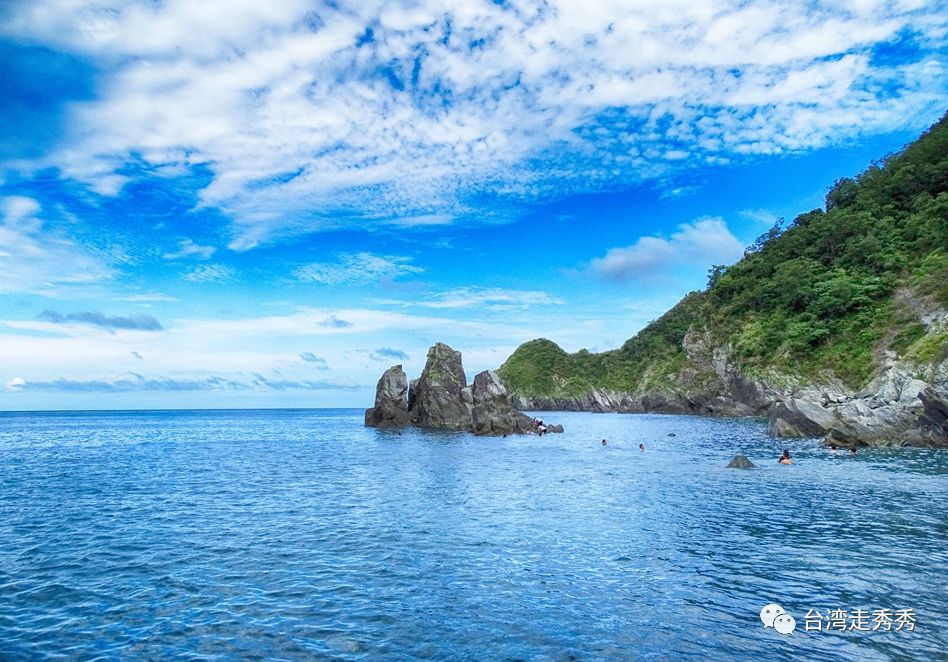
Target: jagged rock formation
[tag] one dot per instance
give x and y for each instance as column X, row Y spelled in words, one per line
column 905, row 405
column 740, row 462
column 492, row 414
column 441, row 398
column 595, row 400
column 391, row 400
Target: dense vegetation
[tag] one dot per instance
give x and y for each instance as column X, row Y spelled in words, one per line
column 826, row 294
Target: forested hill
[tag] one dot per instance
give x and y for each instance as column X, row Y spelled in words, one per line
column 828, row 298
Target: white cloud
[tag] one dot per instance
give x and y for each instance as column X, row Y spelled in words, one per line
column 191, row 354
column 291, row 109
column 357, row 268
column 702, row 243
column 187, row 248
column 37, row 261
column 764, row 217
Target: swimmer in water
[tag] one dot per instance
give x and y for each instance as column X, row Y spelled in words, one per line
column 832, row 448
column 785, row 458
column 642, row 447
column 603, row 442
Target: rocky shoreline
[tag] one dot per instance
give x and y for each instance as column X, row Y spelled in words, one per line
column 442, row 399
column 906, row 404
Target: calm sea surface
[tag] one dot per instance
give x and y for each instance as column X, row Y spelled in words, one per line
column 302, row 535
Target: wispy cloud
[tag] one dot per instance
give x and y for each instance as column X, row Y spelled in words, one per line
column 305, row 385
column 333, row 322
column 387, row 353
column 423, row 220
column 95, row 318
column 37, row 261
column 706, row 241
column 210, row 273
column 148, row 297
column 490, row 298
column 366, row 114
column 357, row 269
column 187, row 248
column 131, row 382
column 764, row 217
column 318, row 362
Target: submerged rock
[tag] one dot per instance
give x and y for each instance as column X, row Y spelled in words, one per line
column 740, row 462
column 441, row 398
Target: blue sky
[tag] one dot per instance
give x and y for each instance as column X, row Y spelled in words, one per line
column 245, row 204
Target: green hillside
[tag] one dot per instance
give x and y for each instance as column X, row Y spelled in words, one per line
column 824, row 295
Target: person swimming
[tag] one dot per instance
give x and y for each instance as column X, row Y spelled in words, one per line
column 852, row 450
column 642, row 447
column 603, row 442
column 785, row 458
column 832, row 448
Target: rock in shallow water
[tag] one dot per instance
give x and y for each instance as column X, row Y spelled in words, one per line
column 740, row 462
column 439, row 398
column 391, row 400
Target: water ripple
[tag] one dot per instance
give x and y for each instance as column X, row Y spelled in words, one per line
column 300, row 534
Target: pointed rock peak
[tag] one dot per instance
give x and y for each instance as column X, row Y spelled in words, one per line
column 391, row 400
column 487, row 386
column 444, row 368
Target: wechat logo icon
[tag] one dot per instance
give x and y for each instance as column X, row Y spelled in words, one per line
column 773, row 616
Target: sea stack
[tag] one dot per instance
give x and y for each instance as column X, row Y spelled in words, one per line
column 391, row 400
column 442, row 399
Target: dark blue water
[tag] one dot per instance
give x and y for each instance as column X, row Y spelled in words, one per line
column 301, row 534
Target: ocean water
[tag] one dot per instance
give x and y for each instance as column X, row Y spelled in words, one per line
column 302, row 535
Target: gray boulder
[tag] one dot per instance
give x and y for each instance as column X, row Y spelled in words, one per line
column 493, row 413
column 804, row 415
column 895, row 409
column 740, row 462
column 391, row 401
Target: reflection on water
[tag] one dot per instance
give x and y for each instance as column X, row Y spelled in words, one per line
column 299, row 534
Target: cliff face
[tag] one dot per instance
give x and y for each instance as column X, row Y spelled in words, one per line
column 906, row 402
column 441, row 399
column 834, row 326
